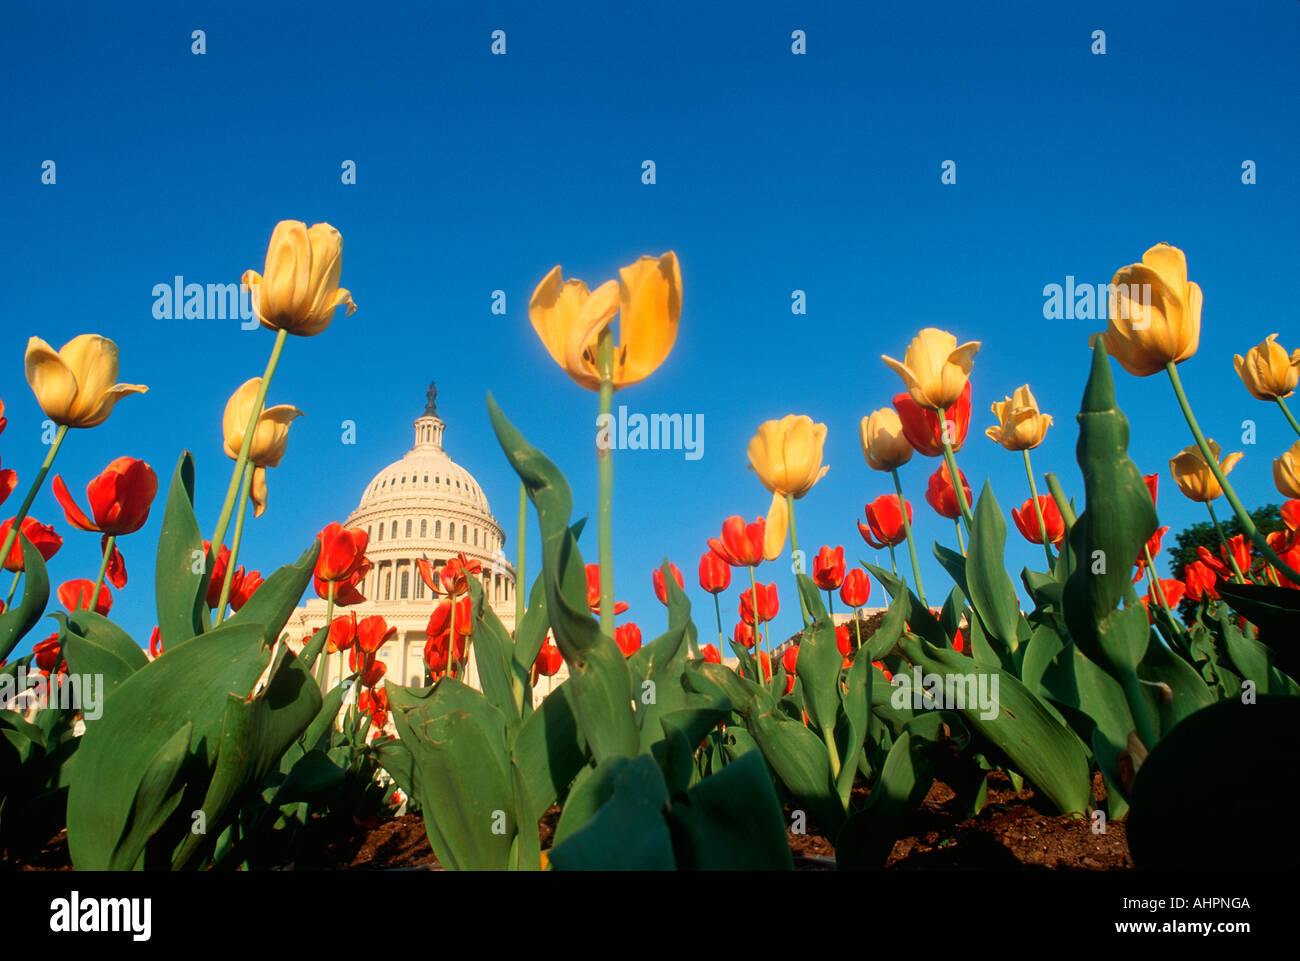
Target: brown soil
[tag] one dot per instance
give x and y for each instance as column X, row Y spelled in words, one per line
column 1015, row 831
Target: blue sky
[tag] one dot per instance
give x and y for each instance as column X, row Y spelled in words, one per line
column 775, row 172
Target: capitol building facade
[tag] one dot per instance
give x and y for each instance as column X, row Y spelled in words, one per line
column 423, row 505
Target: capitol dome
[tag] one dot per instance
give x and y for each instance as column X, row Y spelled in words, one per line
column 423, row 505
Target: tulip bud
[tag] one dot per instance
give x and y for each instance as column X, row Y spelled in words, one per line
column 1286, row 472
column 1267, row 370
column 883, row 443
column 300, row 289
column 1154, row 312
column 1020, row 425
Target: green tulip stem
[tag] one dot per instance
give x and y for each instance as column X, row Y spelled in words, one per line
column 1067, row 515
column 911, row 544
column 953, row 474
column 37, row 481
column 237, row 476
column 1038, row 509
column 605, row 477
column 103, row 568
column 240, row 513
column 830, row 606
column 1243, row 516
column 1132, row 686
column 893, row 561
column 521, row 579
column 1154, row 580
column 717, row 607
column 956, row 522
column 13, row 586
column 794, row 552
column 1223, row 539
column 322, row 672
column 1286, row 412
column 753, row 597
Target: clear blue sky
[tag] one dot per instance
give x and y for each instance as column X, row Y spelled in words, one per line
column 775, row 172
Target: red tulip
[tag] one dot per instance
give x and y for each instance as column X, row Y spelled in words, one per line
column 593, row 592
column 451, row 578
column 76, row 596
column 1027, row 520
column 828, row 568
column 744, row 635
column 42, row 537
column 48, row 652
column 155, row 643
column 1291, row 515
column 1153, row 485
column 8, row 481
column 628, row 638
column 741, row 545
column 790, row 660
column 242, row 587
column 1173, row 591
column 1153, row 547
column 1220, row 564
column 844, row 639
column 1200, row 581
column 711, row 654
column 958, row 642
column 436, row 650
column 120, row 498
column 768, row 604
column 941, row 495
column 371, row 670
column 440, row 621
column 765, row 665
column 342, row 562
column 856, row 590
column 715, row 573
column 373, row 633
column 884, row 526
column 549, row 660
column 342, row 634
column 661, row 589
column 921, row 426
column 880, row 666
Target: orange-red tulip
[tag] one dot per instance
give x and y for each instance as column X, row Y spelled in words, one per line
column 828, row 568
column 715, row 573
column 924, row 431
column 120, row 498
column 342, row 634
column 549, row 659
column 628, row 638
column 593, row 592
column 661, row 589
column 744, row 635
column 856, row 589
column 373, row 633
column 711, row 654
column 741, row 544
column 1200, row 581
column 1027, row 520
column 76, row 596
column 42, row 537
column 942, row 496
column 768, row 604
column 47, row 653
column 884, row 527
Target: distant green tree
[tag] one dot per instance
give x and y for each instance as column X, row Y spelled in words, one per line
column 1267, row 519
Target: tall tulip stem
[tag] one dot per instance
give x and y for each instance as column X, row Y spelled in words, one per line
column 605, row 477
column 1286, row 412
column 1067, row 515
column 953, row 474
column 794, row 550
column 911, row 544
column 1154, row 579
column 1243, row 516
column 236, row 476
column 1038, row 510
column 893, row 560
column 956, row 522
column 240, row 513
column 717, row 607
column 520, row 577
column 758, row 626
column 103, row 569
column 37, row 481
column 13, row 586
column 1223, row 539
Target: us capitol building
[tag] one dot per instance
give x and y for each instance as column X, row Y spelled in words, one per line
column 422, row 505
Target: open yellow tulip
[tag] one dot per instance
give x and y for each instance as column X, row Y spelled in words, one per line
column 75, row 386
column 1286, row 472
column 300, row 289
column 883, row 443
column 935, row 369
column 569, row 319
column 786, row 455
column 1154, row 312
column 270, row 438
column 1267, row 370
column 1193, row 474
column 1020, row 424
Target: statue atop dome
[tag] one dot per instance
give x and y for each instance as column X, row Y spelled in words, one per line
column 431, row 404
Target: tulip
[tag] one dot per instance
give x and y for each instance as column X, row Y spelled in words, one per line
column 715, row 573
column 342, row 552
column 451, row 579
column 569, row 319
column 346, row 592
column 1286, row 472
column 856, row 589
column 270, row 437
column 744, row 635
column 75, row 387
column 786, row 455
column 1233, row 557
column 1150, row 549
column 373, row 633
column 593, row 592
column 1193, row 475
column 935, row 369
column 941, row 495
column 219, row 566
column 765, row 665
column 924, row 429
column 299, row 291
column 628, row 638
column 1171, row 590
column 884, row 527
column 437, row 649
column 844, row 639
column 884, row 444
column 155, row 643
column 8, row 480
column 1153, row 485
column 661, row 589
column 549, row 660
column 47, row 653
column 1268, row 372
column 741, row 545
column 76, row 596
column 120, row 498
column 342, row 633
column 1020, row 425
column 828, row 568
column 1143, row 336
column 1027, row 520
column 41, row 536
column 768, row 604
column 1291, row 515
column 364, row 663
column 1200, row 580
column 242, row 587
column 711, row 654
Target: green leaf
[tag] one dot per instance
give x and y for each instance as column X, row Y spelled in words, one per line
column 17, row 621
column 798, row 757
column 819, row 661
column 549, row 749
column 154, row 801
column 94, row 645
column 629, row 832
column 869, row 835
column 493, row 656
column 991, row 591
column 273, row 602
column 731, row 821
column 181, row 592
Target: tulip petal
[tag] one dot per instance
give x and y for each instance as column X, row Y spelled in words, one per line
column 257, row 492
column 53, row 383
column 108, row 400
column 580, row 340
column 552, row 309
column 74, row 514
column 1170, row 263
column 778, row 519
column 650, row 294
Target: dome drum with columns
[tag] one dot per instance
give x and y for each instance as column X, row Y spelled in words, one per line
column 424, row 505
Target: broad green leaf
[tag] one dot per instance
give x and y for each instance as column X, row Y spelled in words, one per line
column 273, row 602
column 865, row 840
column 94, row 645
column 629, row 832
column 731, row 821
column 17, row 621
column 990, row 588
column 181, row 574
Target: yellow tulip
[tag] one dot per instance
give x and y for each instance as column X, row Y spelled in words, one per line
column 1193, row 474
column 1286, row 472
column 1267, row 371
column 1020, row 424
column 786, row 455
column 270, row 437
column 569, row 319
column 935, row 369
column 300, row 289
column 75, row 386
column 883, row 443
column 1155, row 312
